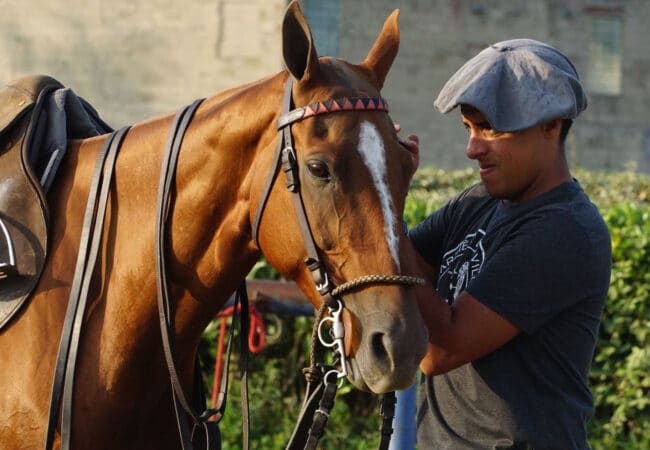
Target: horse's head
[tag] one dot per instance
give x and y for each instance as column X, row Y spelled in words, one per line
column 353, row 178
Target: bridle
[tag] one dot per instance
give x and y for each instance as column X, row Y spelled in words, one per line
column 320, row 395
column 285, row 154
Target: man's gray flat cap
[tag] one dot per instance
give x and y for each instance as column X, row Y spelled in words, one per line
column 516, row 84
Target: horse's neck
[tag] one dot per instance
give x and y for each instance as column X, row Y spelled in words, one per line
column 209, row 251
column 211, row 230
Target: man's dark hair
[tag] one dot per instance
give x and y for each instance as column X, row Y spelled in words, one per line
column 564, row 131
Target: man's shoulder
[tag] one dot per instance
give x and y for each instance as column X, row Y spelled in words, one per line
column 471, row 199
column 475, row 191
column 572, row 210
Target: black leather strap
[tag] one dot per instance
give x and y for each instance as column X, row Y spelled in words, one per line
column 244, row 326
column 268, row 185
column 321, row 416
column 313, row 396
column 241, row 298
column 165, row 305
column 204, row 431
column 91, row 234
column 313, row 261
column 387, row 412
column 285, row 155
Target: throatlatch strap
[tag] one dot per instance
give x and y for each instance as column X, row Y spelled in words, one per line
column 91, row 234
column 268, row 184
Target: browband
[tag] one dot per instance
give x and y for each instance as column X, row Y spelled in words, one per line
column 331, row 106
column 288, row 117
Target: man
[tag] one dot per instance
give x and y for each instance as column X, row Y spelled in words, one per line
column 522, row 262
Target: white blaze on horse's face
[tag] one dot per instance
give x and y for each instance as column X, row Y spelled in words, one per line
column 371, row 147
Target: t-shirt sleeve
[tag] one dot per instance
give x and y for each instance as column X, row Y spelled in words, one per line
column 544, row 267
column 427, row 236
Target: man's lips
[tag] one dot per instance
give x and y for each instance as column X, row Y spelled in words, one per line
column 486, row 168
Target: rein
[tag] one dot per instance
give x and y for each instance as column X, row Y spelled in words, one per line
column 182, row 406
column 91, row 235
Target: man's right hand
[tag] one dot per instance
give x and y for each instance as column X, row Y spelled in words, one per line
column 412, row 144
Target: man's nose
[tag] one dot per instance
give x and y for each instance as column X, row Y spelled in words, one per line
column 476, row 147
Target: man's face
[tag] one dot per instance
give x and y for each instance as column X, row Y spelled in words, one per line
column 514, row 166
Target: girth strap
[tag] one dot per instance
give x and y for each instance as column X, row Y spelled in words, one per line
column 89, row 244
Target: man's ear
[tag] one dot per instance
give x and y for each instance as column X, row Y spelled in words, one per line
column 552, row 128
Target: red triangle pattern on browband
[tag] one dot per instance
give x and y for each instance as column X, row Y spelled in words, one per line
column 345, row 104
column 335, row 106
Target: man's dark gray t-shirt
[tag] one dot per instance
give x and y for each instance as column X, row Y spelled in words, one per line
column 543, row 265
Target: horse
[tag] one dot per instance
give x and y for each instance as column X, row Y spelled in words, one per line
column 354, row 177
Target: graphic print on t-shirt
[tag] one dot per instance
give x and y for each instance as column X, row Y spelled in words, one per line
column 461, row 264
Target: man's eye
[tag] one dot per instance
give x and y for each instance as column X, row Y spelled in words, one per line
column 492, row 132
column 318, row 169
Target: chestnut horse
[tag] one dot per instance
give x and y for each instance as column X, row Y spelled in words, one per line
column 354, row 178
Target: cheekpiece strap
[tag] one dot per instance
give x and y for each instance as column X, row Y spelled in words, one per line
column 332, row 106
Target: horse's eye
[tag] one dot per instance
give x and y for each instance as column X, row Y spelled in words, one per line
column 318, row 169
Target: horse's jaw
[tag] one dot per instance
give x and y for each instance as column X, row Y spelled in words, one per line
column 386, row 348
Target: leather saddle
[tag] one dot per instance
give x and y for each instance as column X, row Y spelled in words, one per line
column 27, row 167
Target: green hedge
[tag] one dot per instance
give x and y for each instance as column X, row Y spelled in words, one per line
column 620, row 377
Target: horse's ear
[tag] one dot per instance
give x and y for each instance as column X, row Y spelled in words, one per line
column 383, row 52
column 297, row 44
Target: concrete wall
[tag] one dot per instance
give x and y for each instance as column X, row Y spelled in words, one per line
column 136, row 59
column 438, row 36
column 133, row 60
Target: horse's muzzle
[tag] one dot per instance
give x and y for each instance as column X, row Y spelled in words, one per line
column 386, row 348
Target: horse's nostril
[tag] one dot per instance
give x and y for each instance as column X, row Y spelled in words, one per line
column 378, row 347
